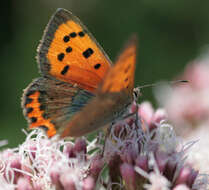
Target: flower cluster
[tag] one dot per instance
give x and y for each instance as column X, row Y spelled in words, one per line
column 145, row 154
column 188, row 105
column 188, row 109
column 41, row 163
column 139, row 152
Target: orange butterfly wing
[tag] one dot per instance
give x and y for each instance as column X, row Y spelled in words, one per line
column 68, row 52
column 121, row 75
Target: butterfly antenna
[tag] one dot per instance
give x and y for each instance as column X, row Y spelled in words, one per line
column 170, row 82
column 137, row 92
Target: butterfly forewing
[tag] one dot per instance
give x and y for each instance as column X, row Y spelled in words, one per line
column 70, row 53
column 121, row 76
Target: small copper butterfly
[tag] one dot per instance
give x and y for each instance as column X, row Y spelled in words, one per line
column 79, row 89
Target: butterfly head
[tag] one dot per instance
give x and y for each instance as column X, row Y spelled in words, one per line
column 136, row 93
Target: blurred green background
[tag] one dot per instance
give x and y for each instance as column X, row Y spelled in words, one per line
column 171, row 33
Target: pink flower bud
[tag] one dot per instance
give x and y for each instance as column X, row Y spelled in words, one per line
column 23, row 184
column 96, row 166
column 55, row 175
column 68, row 150
column 80, row 146
column 170, row 169
column 181, row 187
column 142, row 162
column 161, row 160
column 88, row 183
column 37, row 185
column 159, row 115
column 15, row 163
column 128, row 175
column 146, row 112
column 67, row 181
column 33, row 151
column 186, row 176
column 129, row 155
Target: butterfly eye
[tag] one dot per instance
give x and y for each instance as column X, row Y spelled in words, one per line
column 136, row 93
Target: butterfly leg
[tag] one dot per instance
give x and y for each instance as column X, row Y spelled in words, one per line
column 107, row 134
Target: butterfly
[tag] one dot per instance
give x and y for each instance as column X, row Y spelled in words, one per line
column 79, row 89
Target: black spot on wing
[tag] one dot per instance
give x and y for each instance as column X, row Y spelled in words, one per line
column 60, row 56
column 68, row 49
column 42, row 107
column 65, row 70
column 30, row 92
column 97, row 66
column 66, row 39
column 44, row 127
column 73, row 34
column 33, row 119
column 29, row 110
column 45, row 116
column 81, row 34
column 87, row 53
column 28, row 100
column 127, row 68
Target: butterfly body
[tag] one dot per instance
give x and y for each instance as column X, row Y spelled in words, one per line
column 79, row 90
column 101, row 110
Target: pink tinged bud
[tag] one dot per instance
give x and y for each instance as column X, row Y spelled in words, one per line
column 186, row 176
column 33, row 151
column 183, row 176
column 67, row 181
column 192, row 178
column 181, row 187
column 133, row 108
column 88, row 183
column 23, row 184
column 161, row 160
column 146, row 112
column 68, row 150
column 128, row 175
column 117, row 129
column 159, row 115
column 114, row 164
column 55, row 175
column 16, row 164
column 27, row 169
column 142, row 162
column 96, row 166
column 170, row 169
column 80, row 146
column 38, row 185
column 129, row 155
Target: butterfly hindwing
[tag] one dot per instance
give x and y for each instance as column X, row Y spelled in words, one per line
column 50, row 104
column 68, row 52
